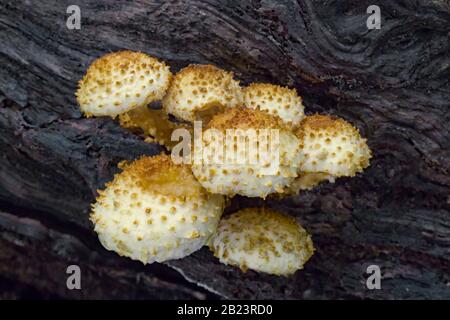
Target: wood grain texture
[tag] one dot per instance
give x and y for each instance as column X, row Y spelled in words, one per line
column 392, row 83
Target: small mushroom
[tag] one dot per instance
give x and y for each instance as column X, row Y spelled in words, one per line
column 263, row 240
column 121, row 81
column 276, row 100
column 199, row 91
column 330, row 148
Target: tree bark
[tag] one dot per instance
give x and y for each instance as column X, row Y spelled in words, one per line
column 392, row 83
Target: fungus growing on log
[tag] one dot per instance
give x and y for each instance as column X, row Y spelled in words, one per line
column 257, row 157
column 121, row 81
column 199, row 91
column 263, row 240
column 155, row 210
column 257, row 142
column 276, row 100
column 330, row 148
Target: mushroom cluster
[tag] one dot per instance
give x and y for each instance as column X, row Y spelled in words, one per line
column 157, row 209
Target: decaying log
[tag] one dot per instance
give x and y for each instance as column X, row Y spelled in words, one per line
column 392, row 83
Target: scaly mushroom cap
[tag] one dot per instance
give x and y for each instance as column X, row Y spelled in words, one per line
column 276, row 100
column 121, row 81
column 155, row 210
column 246, row 166
column 263, row 240
column 199, row 91
column 331, row 146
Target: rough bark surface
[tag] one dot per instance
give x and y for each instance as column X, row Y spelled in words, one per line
column 392, row 83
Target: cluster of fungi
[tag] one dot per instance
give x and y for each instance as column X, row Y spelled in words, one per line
column 157, row 210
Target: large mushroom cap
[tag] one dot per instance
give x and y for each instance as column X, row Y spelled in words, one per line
column 276, row 100
column 121, row 81
column 332, row 146
column 199, row 91
column 262, row 240
column 252, row 166
column 155, row 210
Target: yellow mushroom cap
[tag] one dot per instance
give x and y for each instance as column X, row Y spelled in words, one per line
column 155, row 210
column 120, row 81
column 331, row 146
column 263, row 240
column 199, row 91
column 259, row 172
column 276, row 100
